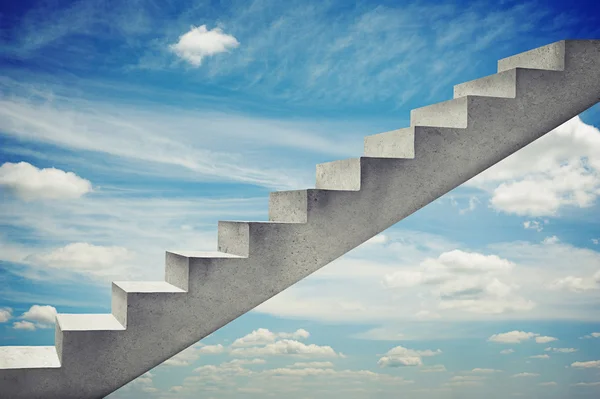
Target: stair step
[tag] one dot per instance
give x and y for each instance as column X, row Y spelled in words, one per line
column 339, row 175
column 177, row 271
column 294, row 206
column 451, row 113
column 398, row 143
column 125, row 296
column 204, row 254
column 88, row 322
column 550, row 57
column 28, row 357
column 234, row 236
column 146, row 287
column 503, row 84
column 289, row 206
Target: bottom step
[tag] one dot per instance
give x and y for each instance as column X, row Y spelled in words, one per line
column 28, row 357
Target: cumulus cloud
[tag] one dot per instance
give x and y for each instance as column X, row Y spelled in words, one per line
column 436, row 368
column 561, row 350
column 539, row 357
column 507, row 351
column 191, row 354
column 525, row 375
column 586, row 384
column 24, row 325
column 464, row 281
column 312, row 364
column 464, row 380
column 545, row 339
column 43, row 315
column 30, row 183
column 534, row 225
column 485, row 371
column 199, row 43
column 5, row 314
column 512, row 337
column 401, row 356
column 593, row 364
column 97, row 260
column 378, row 239
column 286, row 347
column 560, row 169
column 592, row 335
column 263, row 336
column 575, row 284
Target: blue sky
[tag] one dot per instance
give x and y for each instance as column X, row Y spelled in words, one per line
column 161, row 118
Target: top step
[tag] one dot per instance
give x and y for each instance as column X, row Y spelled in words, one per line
column 550, row 57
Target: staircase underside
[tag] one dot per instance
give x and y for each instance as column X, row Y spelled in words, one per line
column 354, row 199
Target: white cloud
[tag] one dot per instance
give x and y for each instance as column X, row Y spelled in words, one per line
column 380, row 334
column 574, row 284
column 199, row 42
column 82, row 257
column 465, row 281
column 313, row 364
column 596, row 240
column 592, row 335
column 211, row 349
column 525, row 375
column 507, row 351
column 550, row 240
column 485, row 371
column 192, row 353
column 41, row 314
column 548, row 384
column 545, row 339
column 465, row 380
column 512, row 337
column 586, row 365
column 286, row 347
column 401, row 356
column 436, row 368
column 534, row 225
column 586, row 384
column 561, row 350
column 473, row 201
column 560, row 169
column 378, row 239
column 263, row 336
column 24, row 325
column 30, row 183
column 5, row 314
column 539, row 357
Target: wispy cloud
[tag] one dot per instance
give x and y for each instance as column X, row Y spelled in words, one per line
column 293, row 50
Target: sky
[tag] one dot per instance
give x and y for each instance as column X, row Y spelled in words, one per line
column 130, row 127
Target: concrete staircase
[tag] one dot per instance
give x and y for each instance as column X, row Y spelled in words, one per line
column 354, row 199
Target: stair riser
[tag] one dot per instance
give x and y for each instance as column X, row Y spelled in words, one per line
column 233, row 238
column 339, row 175
column 451, row 113
column 177, row 270
column 499, row 85
column 550, row 57
column 289, row 206
column 395, row 144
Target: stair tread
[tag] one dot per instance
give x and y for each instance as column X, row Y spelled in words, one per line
column 147, row 286
column 28, row 357
column 204, row 254
column 88, row 322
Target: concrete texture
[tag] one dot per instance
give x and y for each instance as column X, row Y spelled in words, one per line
column 354, row 199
